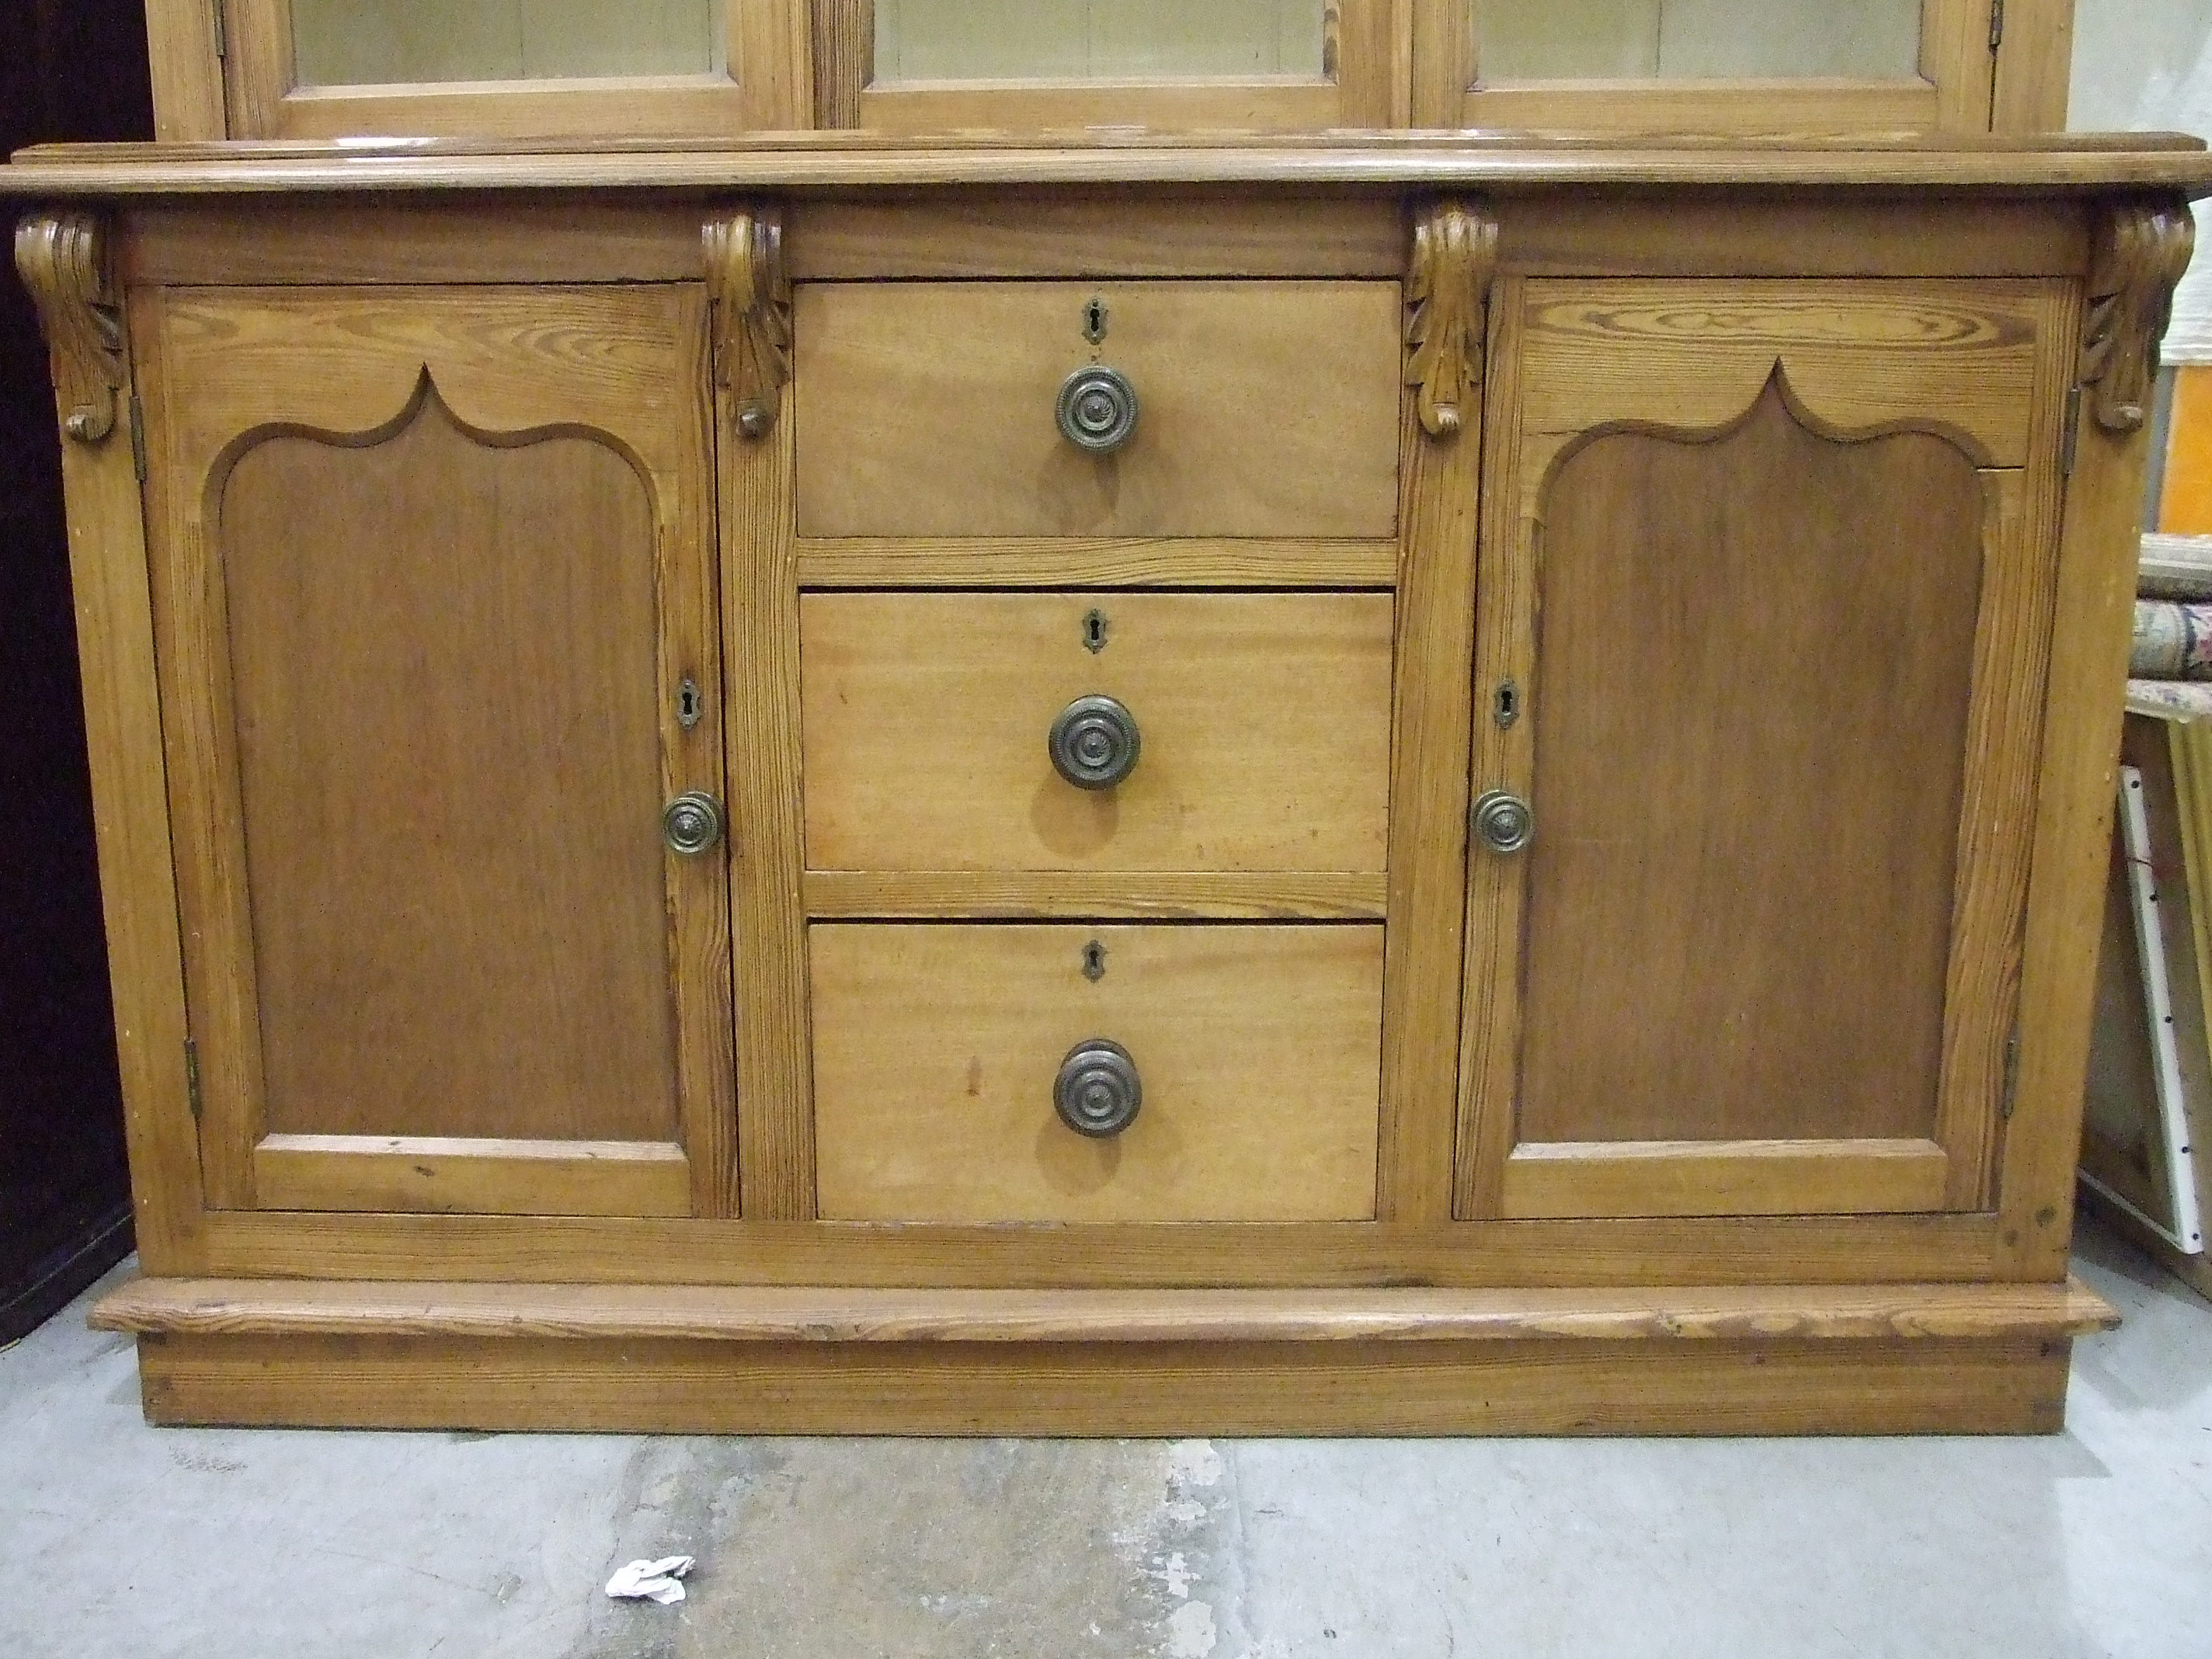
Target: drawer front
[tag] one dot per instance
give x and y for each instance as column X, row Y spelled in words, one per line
column 1263, row 409
column 1257, row 1050
column 1262, row 725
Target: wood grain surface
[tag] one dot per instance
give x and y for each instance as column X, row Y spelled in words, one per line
column 1265, row 408
column 473, row 381
column 1476, row 161
column 1739, row 909
column 1264, row 723
column 1773, row 1314
column 1996, row 1387
column 935, row 1049
column 442, row 669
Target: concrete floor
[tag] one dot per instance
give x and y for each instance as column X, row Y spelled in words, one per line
column 118, row 1542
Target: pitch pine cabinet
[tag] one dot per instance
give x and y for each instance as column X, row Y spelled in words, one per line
column 1397, row 785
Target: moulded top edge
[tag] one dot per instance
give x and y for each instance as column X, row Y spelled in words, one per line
column 1505, row 163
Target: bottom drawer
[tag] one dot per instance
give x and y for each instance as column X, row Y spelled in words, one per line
column 1256, row 1051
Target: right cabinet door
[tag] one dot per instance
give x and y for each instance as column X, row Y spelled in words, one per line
column 1764, row 608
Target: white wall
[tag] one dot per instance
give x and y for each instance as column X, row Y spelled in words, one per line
column 2146, row 65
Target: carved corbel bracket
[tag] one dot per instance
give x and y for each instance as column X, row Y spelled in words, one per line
column 63, row 258
column 1446, row 292
column 752, row 298
column 2140, row 249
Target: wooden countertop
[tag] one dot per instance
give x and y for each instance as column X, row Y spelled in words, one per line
column 1504, row 163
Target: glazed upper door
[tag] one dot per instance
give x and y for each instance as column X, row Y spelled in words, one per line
column 1790, row 66
column 1765, row 587
column 1219, row 65
column 319, row 69
column 435, row 595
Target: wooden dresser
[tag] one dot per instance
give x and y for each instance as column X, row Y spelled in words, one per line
column 1379, row 783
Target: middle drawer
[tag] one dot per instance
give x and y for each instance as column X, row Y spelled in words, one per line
column 1255, row 729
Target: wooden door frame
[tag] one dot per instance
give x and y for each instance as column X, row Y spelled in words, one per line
column 1965, row 84
column 462, row 343
column 249, row 73
column 1368, row 87
column 1953, row 1168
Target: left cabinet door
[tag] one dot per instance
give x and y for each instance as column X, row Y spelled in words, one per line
column 435, row 596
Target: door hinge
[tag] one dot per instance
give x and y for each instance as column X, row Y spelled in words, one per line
column 1996, row 24
column 192, row 1076
column 2011, row 1073
column 137, row 435
column 2069, row 436
column 222, row 34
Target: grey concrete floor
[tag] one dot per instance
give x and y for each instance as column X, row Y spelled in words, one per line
column 118, row 1542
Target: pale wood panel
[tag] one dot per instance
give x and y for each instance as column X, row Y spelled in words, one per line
column 1740, row 892
column 2008, row 1386
column 1959, row 359
column 503, row 360
column 1431, row 715
column 175, row 245
column 2076, row 785
column 1162, row 895
column 1831, row 236
column 760, row 628
column 1505, row 599
column 187, row 75
column 443, row 683
column 844, row 40
column 1772, row 1315
column 2035, row 61
column 1266, row 409
column 1049, row 233
column 521, row 362
column 489, row 1177
column 1264, row 722
column 117, row 668
column 1050, row 107
column 935, row 1049
column 1633, row 1251
column 1068, row 562
column 1723, row 1177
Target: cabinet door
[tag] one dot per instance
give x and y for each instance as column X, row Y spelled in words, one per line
column 1764, row 608
column 435, row 596
column 1793, row 66
column 323, row 68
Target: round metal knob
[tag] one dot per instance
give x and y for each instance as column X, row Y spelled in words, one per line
column 1097, row 409
column 692, row 822
column 1094, row 742
column 1503, row 822
column 1097, row 1091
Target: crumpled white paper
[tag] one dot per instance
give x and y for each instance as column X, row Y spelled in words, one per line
column 651, row 1581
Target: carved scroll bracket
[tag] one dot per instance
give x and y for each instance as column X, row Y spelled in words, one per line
column 1446, row 294
column 751, row 297
column 63, row 258
column 2140, row 251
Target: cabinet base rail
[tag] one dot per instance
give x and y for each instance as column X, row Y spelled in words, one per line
column 1861, row 1359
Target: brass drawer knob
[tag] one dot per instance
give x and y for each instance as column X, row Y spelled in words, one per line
column 692, row 822
column 1097, row 409
column 1094, row 742
column 1098, row 1092
column 1502, row 821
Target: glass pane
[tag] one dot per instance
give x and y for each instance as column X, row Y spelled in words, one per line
column 1696, row 39
column 367, row 42
column 1097, row 39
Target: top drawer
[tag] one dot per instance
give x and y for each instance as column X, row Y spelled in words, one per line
column 1263, row 409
